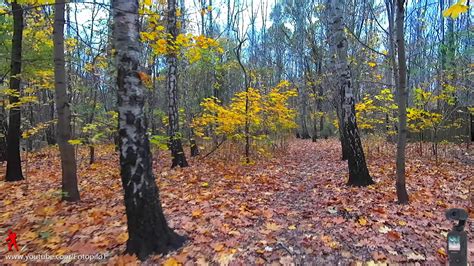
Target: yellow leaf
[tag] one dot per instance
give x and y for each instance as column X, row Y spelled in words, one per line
column 73, row 228
column 197, row 213
column 273, row 226
column 372, row 64
column 219, row 247
column 171, row 262
column 62, row 251
column 122, row 238
column 442, row 252
column 328, row 241
column 54, row 240
column 455, row 10
column 204, row 184
column 74, row 141
column 47, row 210
column 362, row 221
column 402, row 223
column 292, row 227
column 29, row 236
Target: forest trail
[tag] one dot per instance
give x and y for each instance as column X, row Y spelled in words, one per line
column 292, row 208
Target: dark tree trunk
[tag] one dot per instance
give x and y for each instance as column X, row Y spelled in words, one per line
column 148, row 230
column 96, row 88
column 358, row 172
column 194, row 147
column 471, row 126
column 304, row 127
column 247, row 82
column 3, row 135
column 402, row 193
column 91, row 154
column 51, row 130
column 342, row 140
column 178, row 158
column 314, row 138
column 14, row 172
column 66, row 150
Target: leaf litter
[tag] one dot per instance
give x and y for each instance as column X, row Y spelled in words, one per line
column 291, row 209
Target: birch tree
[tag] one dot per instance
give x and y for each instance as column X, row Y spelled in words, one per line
column 148, row 231
column 176, row 147
column 358, row 172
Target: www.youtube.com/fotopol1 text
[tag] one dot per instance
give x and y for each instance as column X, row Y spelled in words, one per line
column 48, row 257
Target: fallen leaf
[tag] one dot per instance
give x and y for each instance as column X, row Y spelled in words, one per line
column 218, row 247
column 272, row 226
column 384, row 229
column 377, row 256
column 415, row 256
column 197, row 213
column 442, row 252
column 362, row 221
column 122, row 238
column 171, row 262
column 392, row 235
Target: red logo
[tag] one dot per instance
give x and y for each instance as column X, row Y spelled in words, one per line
column 11, row 240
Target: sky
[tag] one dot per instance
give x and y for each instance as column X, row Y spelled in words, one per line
column 219, row 9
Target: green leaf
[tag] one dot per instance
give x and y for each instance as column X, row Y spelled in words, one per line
column 75, row 141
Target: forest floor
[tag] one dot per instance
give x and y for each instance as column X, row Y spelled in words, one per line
column 293, row 208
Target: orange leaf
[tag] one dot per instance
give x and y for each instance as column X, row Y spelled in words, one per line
column 393, row 235
column 144, row 77
column 218, row 247
column 197, row 213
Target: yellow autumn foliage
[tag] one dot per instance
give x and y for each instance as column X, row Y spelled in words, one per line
column 265, row 114
column 162, row 43
column 456, row 9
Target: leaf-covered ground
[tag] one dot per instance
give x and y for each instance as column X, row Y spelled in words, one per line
column 293, row 208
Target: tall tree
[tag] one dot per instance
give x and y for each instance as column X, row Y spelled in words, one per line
column 148, row 231
column 3, row 134
column 177, row 153
column 402, row 93
column 358, row 172
column 64, row 131
column 14, row 172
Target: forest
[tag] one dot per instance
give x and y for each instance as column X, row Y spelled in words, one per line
column 235, row 132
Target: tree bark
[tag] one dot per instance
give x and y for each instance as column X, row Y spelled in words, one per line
column 402, row 193
column 176, row 147
column 3, row 135
column 14, row 172
column 471, row 126
column 64, row 131
column 148, row 230
column 358, row 172
column 51, row 137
